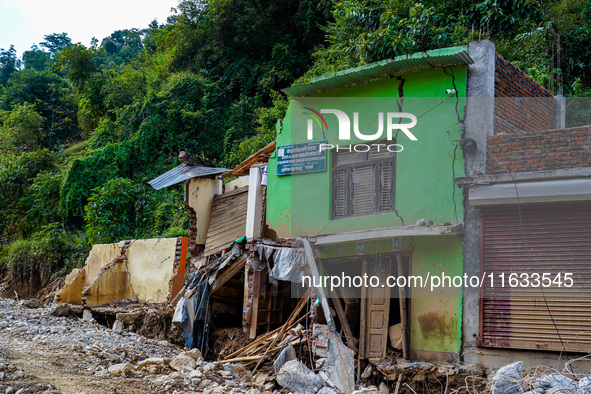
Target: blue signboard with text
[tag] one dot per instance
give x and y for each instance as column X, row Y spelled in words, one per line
column 301, row 158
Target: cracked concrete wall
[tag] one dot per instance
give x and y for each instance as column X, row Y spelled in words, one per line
column 110, row 285
column 100, row 255
column 143, row 274
column 150, row 263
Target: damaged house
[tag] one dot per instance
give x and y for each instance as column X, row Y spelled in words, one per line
column 397, row 212
column 383, row 212
column 423, row 168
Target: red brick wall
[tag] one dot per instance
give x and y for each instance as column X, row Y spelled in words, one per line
column 521, row 104
column 541, row 151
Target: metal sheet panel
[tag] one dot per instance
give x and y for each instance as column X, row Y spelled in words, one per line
column 406, row 63
column 558, row 238
column 182, row 173
column 228, row 220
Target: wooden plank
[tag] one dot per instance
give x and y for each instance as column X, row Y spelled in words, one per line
column 225, row 238
column 402, row 295
column 343, row 319
column 311, row 260
column 241, row 359
column 255, row 304
column 285, row 327
column 363, row 320
column 245, row 298
column 229, row 224
column 216, row 249
column 236, row 208
column 264, row 337
column 178, row 296
column 228, row 220
column 261, row 155
column 228, row 273
column 254, row 343
column 233, row 207
column 231, row 193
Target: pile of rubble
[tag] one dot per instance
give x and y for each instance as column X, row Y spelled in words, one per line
column 43, row 346
column 188, row 371
column 511, row 379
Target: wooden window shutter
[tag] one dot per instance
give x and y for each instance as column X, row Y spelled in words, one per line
column 363, row 182
column 363, row 190
column 386, row 197
column 340, row 193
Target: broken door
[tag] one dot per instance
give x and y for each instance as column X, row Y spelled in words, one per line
column 375, row 310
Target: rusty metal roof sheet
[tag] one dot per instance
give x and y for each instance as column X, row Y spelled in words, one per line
column 445, row 57
column 182, row 173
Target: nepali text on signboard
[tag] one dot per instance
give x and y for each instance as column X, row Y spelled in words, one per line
column 301, row 158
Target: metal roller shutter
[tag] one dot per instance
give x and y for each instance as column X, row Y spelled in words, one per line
column 558, row 237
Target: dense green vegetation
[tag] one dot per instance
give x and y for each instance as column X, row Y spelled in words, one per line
column 82, row 129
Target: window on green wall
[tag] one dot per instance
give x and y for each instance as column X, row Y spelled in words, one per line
column 363, row 182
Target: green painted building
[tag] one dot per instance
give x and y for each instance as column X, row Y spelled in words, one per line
column 357, row 194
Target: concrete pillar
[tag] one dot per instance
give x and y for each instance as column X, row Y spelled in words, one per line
column 480, row 102
column 254, row 214
column 560, row 115
column 479, row 124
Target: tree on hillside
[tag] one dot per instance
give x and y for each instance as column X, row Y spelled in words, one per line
column 56, row 42
column 36, row 59
column 53, row 99
column 22, row 129
column 78, row 62
column 8, row 64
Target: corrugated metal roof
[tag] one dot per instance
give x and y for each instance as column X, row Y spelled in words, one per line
column 445, row 57
column 182, row 173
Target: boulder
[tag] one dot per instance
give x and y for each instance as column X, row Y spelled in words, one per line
column 195, row 354
column 118, row 326
column 33, row 303
column 157, row 361
column 174, row 377
column 287, row 354
column 297, row 378
column 124, row 369
column 506, row 379
column 367, row 372
column 87, row 315
column 183, row 363
column 555, row 382
column 62, row 310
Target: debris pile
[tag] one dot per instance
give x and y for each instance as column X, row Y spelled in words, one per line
column 421, row 377
column 512, row 379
